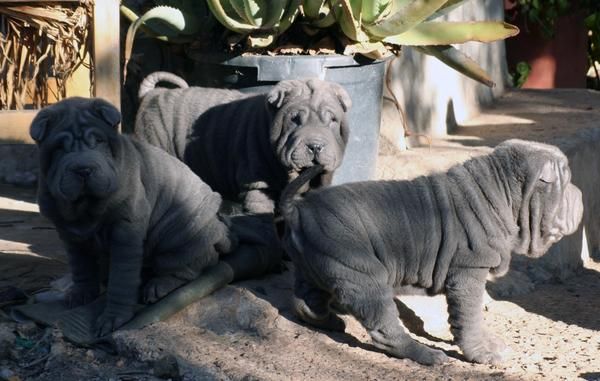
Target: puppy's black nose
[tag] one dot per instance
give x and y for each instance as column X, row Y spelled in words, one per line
column 83, row 172
column 315, row 147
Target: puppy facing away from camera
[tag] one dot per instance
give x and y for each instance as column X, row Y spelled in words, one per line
column 357, row 245
column 115, row 199
column 247, row 147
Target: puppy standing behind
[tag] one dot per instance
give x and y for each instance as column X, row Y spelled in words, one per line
column 247, row 147
column 109, row 194
column 359, row 244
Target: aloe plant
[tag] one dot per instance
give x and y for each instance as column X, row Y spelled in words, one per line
column 374, row 28
column 175, row 21
column 377, row 24
column 318, row 13
column 262, row 20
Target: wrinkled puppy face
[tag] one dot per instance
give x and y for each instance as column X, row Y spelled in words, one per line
column 310, row 125
column 551, row 205
column 74, row 137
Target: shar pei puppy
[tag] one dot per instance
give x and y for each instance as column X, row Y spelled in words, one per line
column 123, row 202
column 247, row 147
column 358, row 245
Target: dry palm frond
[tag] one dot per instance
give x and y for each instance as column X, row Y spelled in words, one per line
column 38, row 42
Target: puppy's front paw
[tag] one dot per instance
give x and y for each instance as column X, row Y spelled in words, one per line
column 428, row 356
column 409, row 348
column 108, row 322
column 489, row 350
column 257, row 202
column 81, row 295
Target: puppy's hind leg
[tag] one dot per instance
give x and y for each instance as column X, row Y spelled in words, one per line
column 176, row 274
column 376, row 311
column 161, row 285
column 311, row 305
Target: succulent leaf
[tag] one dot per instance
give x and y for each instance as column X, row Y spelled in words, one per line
column 446, row 8
column 447, row 32
column 406, row 14
column 458, row 61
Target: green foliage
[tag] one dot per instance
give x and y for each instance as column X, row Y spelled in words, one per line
column 544, row 13
column 592, row 22
column 263, row 19
column 521, row 73
column 376, row 25
column 374, row 28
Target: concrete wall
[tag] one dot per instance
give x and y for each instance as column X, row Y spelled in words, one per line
column 434, row 96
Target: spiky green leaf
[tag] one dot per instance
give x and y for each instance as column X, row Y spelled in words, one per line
column 449, row 32
column 446, row 8
column 349, row 22
column 405, row 15
column 458, row 61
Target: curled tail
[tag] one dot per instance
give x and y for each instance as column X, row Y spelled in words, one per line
column 149, row 83
column 286, row 202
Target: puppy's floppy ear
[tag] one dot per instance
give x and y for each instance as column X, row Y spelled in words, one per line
column 40, row 124
column 285, row 90
column 342, row 96
column 549, row 173
column 107, row 112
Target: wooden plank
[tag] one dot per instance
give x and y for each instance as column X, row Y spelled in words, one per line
column 107, row 63
column 14, row 126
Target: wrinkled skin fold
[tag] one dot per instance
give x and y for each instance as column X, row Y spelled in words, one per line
column 124, row 205
column 360, row 244
column 247, row 147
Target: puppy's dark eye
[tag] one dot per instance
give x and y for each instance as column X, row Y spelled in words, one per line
column 93, row 139
column 67, row 143
column 296, row 118
column 329, row 117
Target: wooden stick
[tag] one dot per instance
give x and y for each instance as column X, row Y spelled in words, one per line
column 106, row 51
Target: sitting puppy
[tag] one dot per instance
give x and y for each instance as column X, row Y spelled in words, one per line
column 247, row 147
column 358, row 245
column 111, row 194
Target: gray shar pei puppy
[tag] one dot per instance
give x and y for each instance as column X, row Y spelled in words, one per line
column 247, row 147
column 109, row 193
column 360, row 244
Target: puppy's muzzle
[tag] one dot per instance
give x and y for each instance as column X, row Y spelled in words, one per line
column 570, row 213
column 314, row 151
column 84, row 172
column 315, row 148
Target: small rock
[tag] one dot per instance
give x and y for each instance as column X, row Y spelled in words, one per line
column 57, row 349
column 6, row 374
column 7, row 340
column 167, row 367
column 13, row 354
column 27, row 329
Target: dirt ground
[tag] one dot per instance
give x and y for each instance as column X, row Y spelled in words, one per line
column 247, row 332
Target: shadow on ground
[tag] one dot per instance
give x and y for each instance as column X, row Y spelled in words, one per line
column 573, row 301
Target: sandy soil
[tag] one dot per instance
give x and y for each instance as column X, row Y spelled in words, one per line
column 247, row 331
